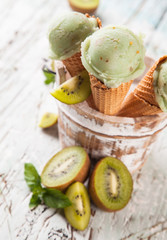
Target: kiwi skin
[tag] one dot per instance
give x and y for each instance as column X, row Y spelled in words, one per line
column 92, row 191
column 80, row 177
column 82, row 10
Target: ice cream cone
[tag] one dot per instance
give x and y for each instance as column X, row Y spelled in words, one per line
column 145, row 88
column 142, row 100
column 73, row 63
column 106, row 55
column 108, row 100
column 135, row 106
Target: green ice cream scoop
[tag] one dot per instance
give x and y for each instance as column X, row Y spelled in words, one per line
column 114, row 55
column 160, row 85
column 67, row 33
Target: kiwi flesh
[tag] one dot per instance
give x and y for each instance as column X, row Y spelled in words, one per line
column 67, row 166
column 84, row 6
column 78, row 214
column 48, row 120
column 110, row 184
column 75, row 90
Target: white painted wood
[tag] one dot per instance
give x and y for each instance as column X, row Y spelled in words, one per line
column 24, row 98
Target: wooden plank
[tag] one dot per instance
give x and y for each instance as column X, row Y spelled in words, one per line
column 157, row 43
column 24, row 98
column 118, row 12
column 147, row 21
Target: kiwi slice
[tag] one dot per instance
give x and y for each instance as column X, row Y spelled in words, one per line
column 78, row 214
column 48, row 120
column 110, row 184
column 84, row 6
column 69, row 165
column 75, row 90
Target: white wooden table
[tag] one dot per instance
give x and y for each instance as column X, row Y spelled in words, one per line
column 24, row 98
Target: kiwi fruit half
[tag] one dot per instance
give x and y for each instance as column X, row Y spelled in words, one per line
column 110, row 184
column 78, row 214
column 84, row 6
column 48, row 120
column 69, row 165
column 75, row 90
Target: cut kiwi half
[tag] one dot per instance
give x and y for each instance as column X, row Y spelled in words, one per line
column 110, row 184
column 78, row 214
column 48, row 120
column 75, row 90
column 67, row 166
column 84, row 6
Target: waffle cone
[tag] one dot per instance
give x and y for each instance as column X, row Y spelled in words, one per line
column 108, row 100
column 142, row 100
column 135, row 106
column 73, row 63
column 145, row 88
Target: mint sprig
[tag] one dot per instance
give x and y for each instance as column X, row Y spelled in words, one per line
column 49, row 75
column 51, row 197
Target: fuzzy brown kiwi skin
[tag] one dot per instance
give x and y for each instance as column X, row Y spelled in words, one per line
column 93, row 194
column 80, row 177
column 82, row 10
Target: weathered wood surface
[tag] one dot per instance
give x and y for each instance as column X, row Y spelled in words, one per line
column 24, row 98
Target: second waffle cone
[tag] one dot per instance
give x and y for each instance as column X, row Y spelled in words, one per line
column 145, row 88
column 142, row 101
column 135, row 106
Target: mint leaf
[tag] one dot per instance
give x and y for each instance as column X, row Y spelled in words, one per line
column 32, row 177
column 52, row 197
column 49, row 74
column 38, row 190
column 48, row 81
column 55, row 199
column 34, row 201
